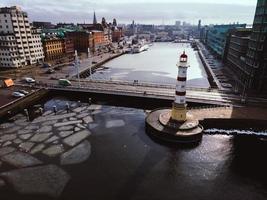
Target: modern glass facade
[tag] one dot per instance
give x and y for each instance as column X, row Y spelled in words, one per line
column 217, row 35
column 257, row 50
column 236, row 56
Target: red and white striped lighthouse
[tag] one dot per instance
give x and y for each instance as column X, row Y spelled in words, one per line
column 179, row 104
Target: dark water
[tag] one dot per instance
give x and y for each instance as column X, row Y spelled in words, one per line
column 127, row 164
column 157, row 65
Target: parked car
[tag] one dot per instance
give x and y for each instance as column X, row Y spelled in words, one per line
column 23, row 92
column 29, row 80
column 46, row 65
column 64, row 82
column 18, row 94
column 50, row 71
column 57, row 68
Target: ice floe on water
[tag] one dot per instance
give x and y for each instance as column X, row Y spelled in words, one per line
column 61, row 136
column 37, row 180
column 115, row 123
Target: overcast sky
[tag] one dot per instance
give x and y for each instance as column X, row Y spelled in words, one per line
column 142, row 11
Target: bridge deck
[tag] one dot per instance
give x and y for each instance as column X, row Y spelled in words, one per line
column 145, row 90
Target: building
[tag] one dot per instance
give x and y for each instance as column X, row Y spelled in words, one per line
column 98, row 27
column 117, row 34
column 54, row 48
column 257, row 51
column 204, row 34
column 217, row 36
column 178, row 23
column 236, row 56
column 99, row 40
column 199, row 25
column 20, row 44
column 65, row 25
column 43, row 25
column 59, row 32
column 57, row 48
column 94, row 20
column 69, row 47
column 82, row 40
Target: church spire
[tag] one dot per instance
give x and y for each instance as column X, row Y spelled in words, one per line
column 95, row 21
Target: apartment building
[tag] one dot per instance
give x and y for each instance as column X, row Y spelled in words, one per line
column 20, row 44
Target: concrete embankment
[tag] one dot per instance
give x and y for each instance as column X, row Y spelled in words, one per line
column 18, row 105
column 214, row 82
column 232, row 117
column 238, row 124
column 85, row 73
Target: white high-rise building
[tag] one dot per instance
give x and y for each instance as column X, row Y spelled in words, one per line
column 20, row 44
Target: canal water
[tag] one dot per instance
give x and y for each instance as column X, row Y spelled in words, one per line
column 125, row 163
column 157, row 65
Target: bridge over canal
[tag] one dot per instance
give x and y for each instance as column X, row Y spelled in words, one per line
column 144, row 90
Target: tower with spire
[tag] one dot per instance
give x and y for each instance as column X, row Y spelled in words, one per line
column 94, row 21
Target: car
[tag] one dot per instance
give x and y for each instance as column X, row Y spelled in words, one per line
column 29, row 80
column 18, row 94
column 64, row 82
column 23, row 92
column 57, row 68
column 50, row 71
column 46, row 65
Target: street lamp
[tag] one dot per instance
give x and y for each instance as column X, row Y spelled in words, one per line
column 77, row 67
column 90, row 64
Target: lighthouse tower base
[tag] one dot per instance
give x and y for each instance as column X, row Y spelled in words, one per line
column 159, row 124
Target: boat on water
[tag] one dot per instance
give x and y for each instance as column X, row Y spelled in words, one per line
column 140, row 48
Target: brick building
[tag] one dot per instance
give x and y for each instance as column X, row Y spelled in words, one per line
column 57, row 48
column 82, row 40
column 53, row 48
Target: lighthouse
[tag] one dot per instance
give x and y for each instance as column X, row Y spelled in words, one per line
column 174, row 124
column 179, row 105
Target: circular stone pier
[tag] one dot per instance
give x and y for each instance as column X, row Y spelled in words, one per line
column 160, row 125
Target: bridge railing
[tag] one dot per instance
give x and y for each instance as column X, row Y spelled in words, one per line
column 106, row 90
column 145, row 84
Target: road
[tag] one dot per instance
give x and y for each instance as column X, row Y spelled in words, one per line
column 144, row 90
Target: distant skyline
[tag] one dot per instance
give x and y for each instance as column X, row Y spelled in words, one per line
column 141, row 11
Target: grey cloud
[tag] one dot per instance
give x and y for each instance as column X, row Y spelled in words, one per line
column 82, row 10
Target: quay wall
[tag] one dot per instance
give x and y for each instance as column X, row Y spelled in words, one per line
column 211, row 76
column 18, row 105
column 42, row 95
column 86, row 72
column 145, row 103
column 239, row 124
